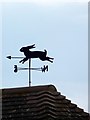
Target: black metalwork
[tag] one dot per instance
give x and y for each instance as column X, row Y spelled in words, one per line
column 43, row 69
column 34, row 54
column 31, row 54
column 10, row 57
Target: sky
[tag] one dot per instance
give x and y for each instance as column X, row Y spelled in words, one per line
column 59, row 27
column 46, row 2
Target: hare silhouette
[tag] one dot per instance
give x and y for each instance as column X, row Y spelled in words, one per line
column 42, row 55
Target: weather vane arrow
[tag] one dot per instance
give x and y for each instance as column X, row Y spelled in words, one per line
column 10, row 57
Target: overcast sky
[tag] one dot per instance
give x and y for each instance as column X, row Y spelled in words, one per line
column 46, row 2
column 61, row 29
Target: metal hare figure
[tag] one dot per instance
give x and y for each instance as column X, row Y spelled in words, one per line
column 34, row 54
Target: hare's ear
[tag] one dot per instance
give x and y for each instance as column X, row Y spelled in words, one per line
column 31, row 46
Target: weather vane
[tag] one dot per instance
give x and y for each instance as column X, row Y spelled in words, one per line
column 31, row 54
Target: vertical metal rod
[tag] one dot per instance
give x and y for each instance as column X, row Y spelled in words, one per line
column 29, row 72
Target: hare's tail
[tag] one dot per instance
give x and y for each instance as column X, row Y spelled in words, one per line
column 45, row 52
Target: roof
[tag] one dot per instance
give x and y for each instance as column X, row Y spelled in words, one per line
column 39, row 103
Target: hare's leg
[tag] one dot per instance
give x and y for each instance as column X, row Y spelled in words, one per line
column 48, row 59
column 23, row 60
column 51, row 58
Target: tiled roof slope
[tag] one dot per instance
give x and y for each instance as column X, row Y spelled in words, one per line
column 39, row 103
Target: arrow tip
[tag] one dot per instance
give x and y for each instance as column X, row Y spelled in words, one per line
column 9, row 57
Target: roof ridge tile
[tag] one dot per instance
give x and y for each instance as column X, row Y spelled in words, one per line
column 39, row 103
